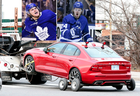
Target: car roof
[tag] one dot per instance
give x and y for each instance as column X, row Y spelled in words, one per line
column 90, row 44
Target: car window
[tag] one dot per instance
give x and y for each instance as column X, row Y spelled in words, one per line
column 71, row 50
column 98, row 52
column 5, row 40
column 57, row 48
column 77, row 53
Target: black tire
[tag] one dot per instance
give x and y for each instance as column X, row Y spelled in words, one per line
column 74, row 73
column 0, row 87
column 31, row 67
column 75, row 84
column 119, row 87
column 131, row 85
column 4, row 82
column 63, row 84
column 36, row 79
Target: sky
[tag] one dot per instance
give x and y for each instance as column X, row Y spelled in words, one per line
column 8, row 8
column 100, row 13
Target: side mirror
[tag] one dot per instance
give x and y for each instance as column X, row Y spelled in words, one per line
column 45, row 49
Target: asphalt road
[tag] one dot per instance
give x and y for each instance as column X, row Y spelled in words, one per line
column 23, row 88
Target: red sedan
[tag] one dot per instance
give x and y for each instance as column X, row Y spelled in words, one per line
column 79, row 64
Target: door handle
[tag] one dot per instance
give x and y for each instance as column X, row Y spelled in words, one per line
column 70, row 59
column 53, row 56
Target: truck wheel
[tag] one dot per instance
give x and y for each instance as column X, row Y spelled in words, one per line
column 4, row 82
column 75, row 84
column 29, row 65
column 63, row 84
column 131, row 85
column 36, row 79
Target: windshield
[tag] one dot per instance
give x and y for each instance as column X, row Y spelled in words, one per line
column 98, row 52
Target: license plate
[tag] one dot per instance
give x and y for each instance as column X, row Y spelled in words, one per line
column 6, row 76
column 114, row 67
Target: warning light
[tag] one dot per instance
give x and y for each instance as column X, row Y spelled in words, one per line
column 87, row 42
column 86, row 46
column 103, row 45
column 5, row 64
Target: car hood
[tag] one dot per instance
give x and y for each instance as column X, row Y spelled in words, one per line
column 40, row 49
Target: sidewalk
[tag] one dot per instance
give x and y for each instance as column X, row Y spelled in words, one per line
column 135, row 75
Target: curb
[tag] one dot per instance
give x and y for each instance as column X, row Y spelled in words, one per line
column 135, row 75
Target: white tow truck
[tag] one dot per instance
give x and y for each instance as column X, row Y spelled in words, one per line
column 11, row 53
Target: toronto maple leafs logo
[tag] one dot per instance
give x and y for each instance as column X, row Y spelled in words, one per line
column 42, row 34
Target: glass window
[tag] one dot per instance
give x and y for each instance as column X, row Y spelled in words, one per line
column 5, row 40
column 71, row 50
column 98, row 52
column 77, row 53
column 57, row 48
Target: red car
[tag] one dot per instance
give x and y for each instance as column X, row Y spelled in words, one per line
column 79, row 64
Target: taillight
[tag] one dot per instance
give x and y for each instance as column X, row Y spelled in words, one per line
column 95, row 68
column 128, row 67
column 5, row 64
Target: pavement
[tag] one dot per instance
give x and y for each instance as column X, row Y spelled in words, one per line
column 135, row 75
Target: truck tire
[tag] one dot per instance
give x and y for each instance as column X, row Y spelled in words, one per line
column 36, row 79
column 4, row 82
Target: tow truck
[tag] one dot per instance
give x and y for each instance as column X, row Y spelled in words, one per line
column 11, row 54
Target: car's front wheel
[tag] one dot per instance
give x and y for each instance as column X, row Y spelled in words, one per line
column 29, row 65
column 33, row 76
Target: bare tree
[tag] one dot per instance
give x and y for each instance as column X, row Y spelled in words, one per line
column 126, row 18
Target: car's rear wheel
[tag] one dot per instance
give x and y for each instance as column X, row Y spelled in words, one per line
column 131, row 85
column 63, row 84
column 36, row 79
column 119, row 87
column 74, row 74
column 75, row 79
column 29, row 65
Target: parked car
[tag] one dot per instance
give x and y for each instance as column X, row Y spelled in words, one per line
column 80, row 64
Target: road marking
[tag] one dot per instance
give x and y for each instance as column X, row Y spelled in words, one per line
column 11, row 86
column 26, row 86
column 43, row 86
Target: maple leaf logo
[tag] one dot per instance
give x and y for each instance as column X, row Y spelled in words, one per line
column 42, row 34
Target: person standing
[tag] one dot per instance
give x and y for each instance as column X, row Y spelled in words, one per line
column 42, row 24
column 75, row 26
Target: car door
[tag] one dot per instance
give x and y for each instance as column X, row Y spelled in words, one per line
column 48, row 60
column 66, row 59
